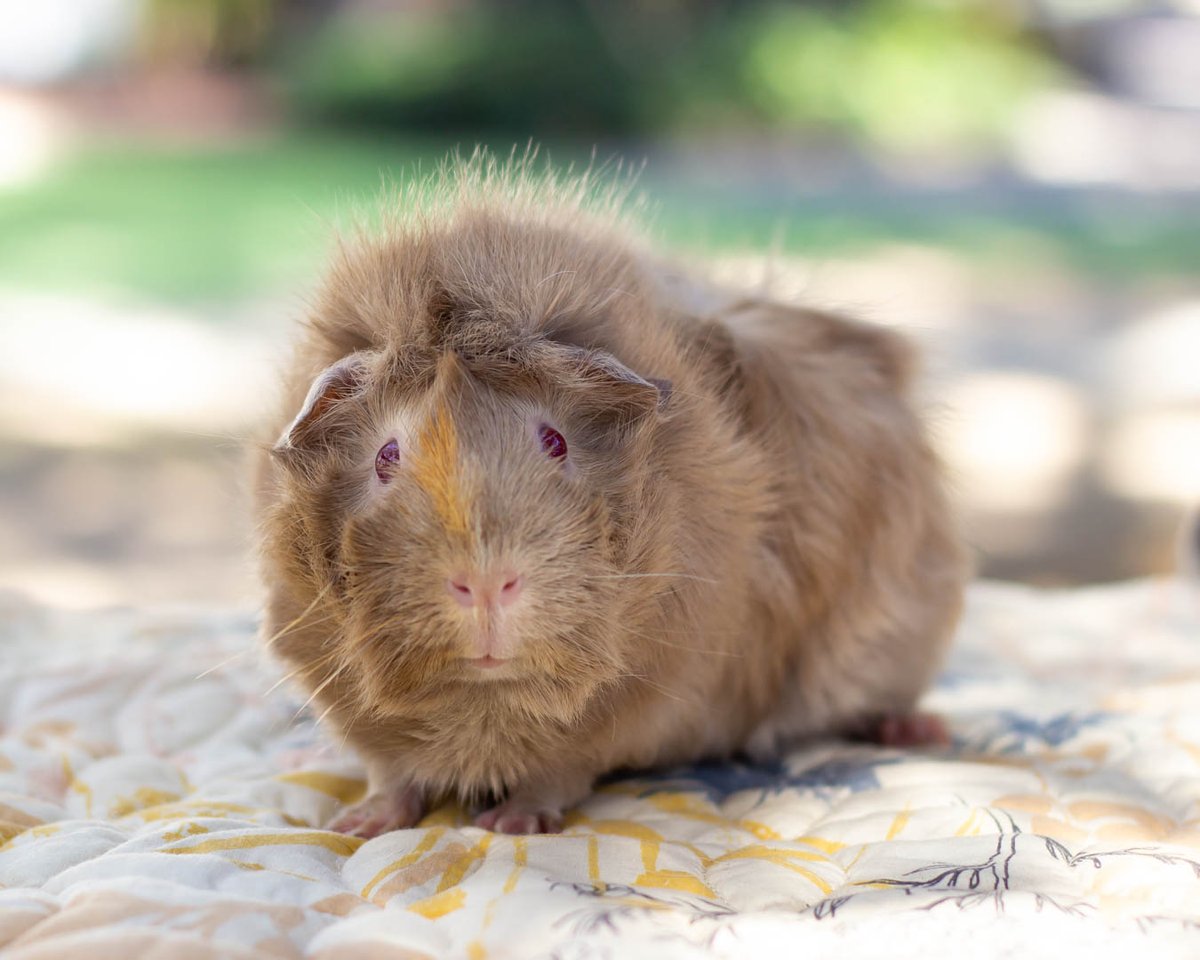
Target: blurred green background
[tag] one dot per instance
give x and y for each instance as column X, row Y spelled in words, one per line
column 1016, row 182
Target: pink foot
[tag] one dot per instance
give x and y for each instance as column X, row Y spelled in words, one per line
column 380, row 813
column 911, row 730
column 513, row 816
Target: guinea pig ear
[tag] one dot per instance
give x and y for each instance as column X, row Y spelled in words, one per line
column 626, row 391
column 335, row 383
column 664, row 389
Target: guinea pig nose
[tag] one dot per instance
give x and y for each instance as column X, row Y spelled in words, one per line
column 494, row 586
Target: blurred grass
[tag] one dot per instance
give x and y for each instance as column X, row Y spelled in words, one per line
column 179, row 224
column 216, row 225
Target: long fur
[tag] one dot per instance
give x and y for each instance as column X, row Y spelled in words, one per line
column 760, row 554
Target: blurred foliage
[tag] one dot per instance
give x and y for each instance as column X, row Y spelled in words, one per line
column 215, row 33
column 256, row 219
column 901, row 74
column 897, row 73
column 525, row 66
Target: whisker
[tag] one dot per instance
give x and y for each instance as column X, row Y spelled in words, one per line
column 399, row 620
column 657, row 687
column 682, row 646
column 328, row 710
column 328, row 680
column 307, row 610
column 304, row 668
column 639, row 576
column 223, row 663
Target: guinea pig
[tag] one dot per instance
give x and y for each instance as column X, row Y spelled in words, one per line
column 532, row 515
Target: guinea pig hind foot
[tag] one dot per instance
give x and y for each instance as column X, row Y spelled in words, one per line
column 908, row 730
column 380, row 813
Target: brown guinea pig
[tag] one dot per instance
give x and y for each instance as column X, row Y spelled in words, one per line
column 530, row 519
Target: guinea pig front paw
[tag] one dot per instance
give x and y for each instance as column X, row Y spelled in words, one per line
column 380, row 813
column 520, row 817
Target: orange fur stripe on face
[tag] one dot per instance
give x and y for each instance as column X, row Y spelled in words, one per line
column 436, row 470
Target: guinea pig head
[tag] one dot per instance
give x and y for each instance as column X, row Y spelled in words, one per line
column 488, row 510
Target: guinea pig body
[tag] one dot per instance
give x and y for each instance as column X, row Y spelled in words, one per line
column 531, row 519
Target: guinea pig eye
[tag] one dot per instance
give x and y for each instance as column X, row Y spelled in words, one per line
column 386, row 460
column 553, row 442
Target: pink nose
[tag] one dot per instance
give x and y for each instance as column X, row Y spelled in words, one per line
column 472, row 589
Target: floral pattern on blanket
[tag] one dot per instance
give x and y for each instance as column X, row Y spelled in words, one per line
column 155, row 797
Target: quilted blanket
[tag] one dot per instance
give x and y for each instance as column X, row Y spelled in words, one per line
column 161, row 794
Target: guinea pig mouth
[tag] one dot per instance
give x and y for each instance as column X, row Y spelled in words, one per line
column 487, row 669
column 487, row 662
